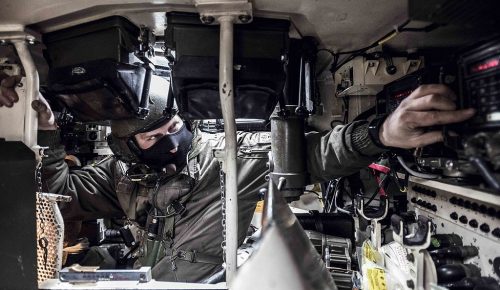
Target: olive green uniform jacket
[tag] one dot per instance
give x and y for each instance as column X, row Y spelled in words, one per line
column 94, row 188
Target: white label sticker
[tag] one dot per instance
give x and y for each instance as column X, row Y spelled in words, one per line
column 493, row 117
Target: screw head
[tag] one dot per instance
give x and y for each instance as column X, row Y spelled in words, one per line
column 244, row 18
column 450, row 165
column 207, row 19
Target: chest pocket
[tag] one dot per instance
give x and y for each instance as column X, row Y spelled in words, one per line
column 174, row 190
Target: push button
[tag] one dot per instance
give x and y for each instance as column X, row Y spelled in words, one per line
column 454, row 216
column 485, row 228
column 463, row 219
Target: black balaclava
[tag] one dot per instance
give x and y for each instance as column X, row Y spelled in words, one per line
column 158, row 155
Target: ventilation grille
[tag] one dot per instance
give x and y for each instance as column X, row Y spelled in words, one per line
column 50, row 235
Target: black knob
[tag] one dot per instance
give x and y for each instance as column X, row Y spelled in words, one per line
column 456, row 272
column 492, row 212
column 92, row 136
column 498, row 214
column 496, row 233
column 420, row 202
column 473, row 223
column 453, row 200
column 463, row 219
column 391, row 69
column 454, row 216
column 467, row 204
column 413, row 200
column 460, row 202
column 485, row 228
column 434, row 208
column 475, row 206
column 483, row 208
column 433, row 193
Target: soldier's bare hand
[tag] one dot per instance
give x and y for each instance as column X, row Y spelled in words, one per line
column 428, row 105
column 46, row 119
column 8, row 97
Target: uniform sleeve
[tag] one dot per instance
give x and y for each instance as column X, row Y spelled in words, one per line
column 92, row 188
column 340, row 152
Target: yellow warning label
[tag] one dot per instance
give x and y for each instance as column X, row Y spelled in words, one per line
column 376, row 279
column 260, row 206
column 369, row 252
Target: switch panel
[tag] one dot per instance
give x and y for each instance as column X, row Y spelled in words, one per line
column 473, row 215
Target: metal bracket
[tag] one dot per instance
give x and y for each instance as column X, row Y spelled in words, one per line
column 411, row 65
column 381, row 212
column 211, row 10
column 21, row 40
column 376, row 229
column 418, row 239
column 372, row 65
column 12, row 36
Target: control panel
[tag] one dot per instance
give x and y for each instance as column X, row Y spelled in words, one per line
column 472, row 214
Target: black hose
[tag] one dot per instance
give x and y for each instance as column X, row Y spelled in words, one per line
column 485, row 172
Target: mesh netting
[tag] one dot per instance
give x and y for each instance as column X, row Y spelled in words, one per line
column 50, row 234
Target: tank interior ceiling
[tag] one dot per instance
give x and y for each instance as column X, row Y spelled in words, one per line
column 338, row 25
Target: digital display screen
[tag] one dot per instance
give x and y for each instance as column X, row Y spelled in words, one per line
column 485, row 65
column 395, row 98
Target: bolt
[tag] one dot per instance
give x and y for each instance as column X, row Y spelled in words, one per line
column 450, row 165
column 262, row 193
column 207, row 19
column 245, row 18
column 281, row 183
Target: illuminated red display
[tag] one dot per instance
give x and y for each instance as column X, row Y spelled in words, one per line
column 485, row 65
column 402, row 94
